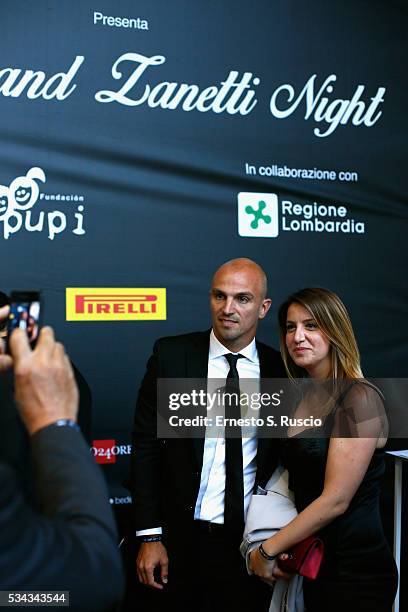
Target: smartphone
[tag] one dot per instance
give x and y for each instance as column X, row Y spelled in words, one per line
column 25, row 313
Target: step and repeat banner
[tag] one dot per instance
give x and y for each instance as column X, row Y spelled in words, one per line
column 145, row 143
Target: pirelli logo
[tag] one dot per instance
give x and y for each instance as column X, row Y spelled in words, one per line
column 101, row 304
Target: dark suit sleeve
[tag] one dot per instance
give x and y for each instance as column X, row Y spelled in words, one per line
column 85, row 405
column 71, row 542
column 145, row 459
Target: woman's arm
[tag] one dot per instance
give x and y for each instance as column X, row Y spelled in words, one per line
column 347, row 463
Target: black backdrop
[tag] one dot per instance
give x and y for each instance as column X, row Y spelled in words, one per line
column 291, row 104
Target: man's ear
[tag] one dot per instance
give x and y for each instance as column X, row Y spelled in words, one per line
column 265, row 306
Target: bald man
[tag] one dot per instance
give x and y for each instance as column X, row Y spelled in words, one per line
column 187, row 506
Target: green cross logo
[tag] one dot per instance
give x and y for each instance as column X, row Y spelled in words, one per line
column 258, row 214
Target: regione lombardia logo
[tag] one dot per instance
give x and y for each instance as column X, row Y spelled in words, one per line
column 258, row 214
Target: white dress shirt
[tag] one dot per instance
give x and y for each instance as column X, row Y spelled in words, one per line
column 211, row 495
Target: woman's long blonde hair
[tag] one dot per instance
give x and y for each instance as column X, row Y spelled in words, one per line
column 332, row 318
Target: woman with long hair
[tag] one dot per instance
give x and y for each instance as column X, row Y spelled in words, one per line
column 335, row 468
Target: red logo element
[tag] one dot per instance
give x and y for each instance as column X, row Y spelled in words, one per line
column 116, row 304
column 103, row 451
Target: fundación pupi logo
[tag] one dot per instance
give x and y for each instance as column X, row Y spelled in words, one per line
column 17, row 211
column 115, row 304
column 261, row 215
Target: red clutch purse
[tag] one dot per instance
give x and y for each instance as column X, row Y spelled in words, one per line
column 304, row 558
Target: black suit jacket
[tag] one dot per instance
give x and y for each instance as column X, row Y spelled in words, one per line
column 70, row 543
column 165, row 474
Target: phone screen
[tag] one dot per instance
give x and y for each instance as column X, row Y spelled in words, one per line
column 25, row 313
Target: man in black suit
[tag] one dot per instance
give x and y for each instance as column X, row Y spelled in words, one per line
column 68, row 541
column 190, row 496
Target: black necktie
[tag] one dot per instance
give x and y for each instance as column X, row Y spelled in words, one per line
column 234, row 477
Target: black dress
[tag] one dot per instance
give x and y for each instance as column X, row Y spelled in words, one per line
column 358, row 573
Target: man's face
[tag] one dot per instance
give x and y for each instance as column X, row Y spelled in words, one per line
column 237, row 303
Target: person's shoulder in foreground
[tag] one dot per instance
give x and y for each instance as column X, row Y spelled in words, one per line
column 70, row 543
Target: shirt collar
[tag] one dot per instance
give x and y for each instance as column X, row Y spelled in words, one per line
column 218, row 350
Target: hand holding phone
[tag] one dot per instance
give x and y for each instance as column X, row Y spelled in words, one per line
column 44, row 382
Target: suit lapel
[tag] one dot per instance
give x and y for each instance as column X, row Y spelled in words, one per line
column 197, row 356
column 197, row 367
column 266, row 365
column 267, row 369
